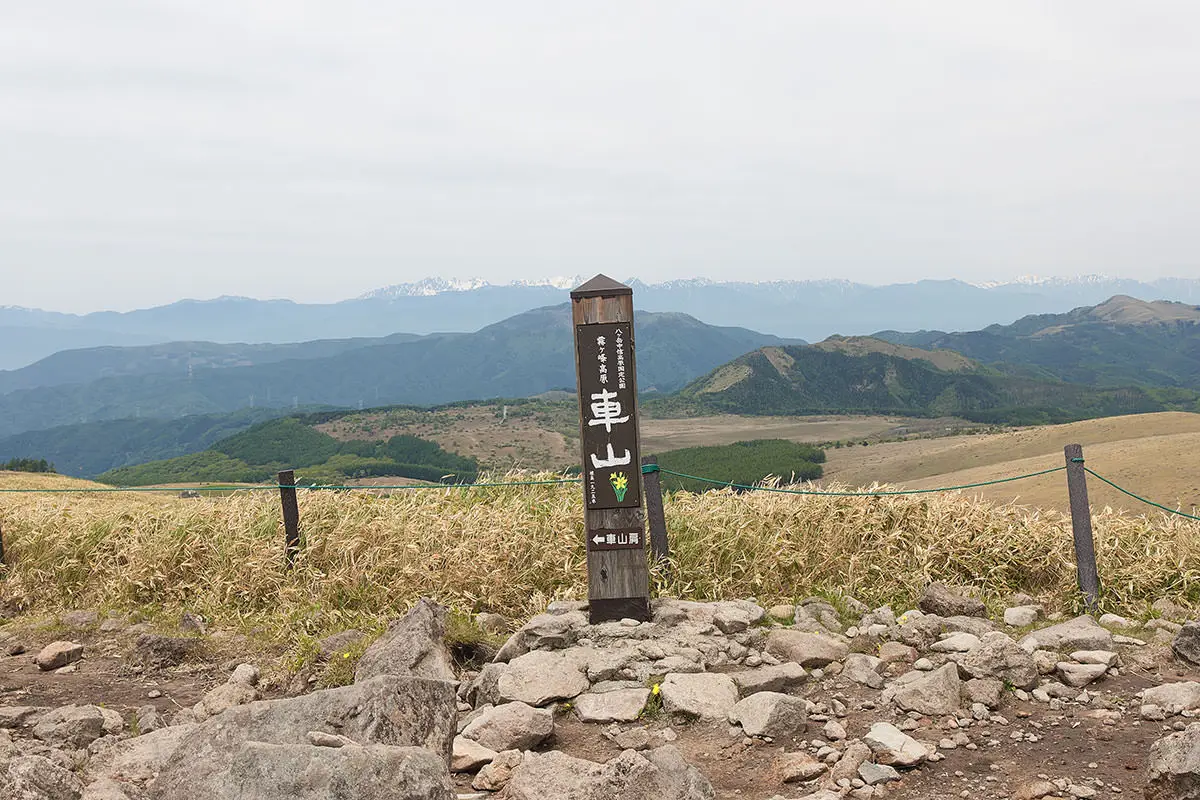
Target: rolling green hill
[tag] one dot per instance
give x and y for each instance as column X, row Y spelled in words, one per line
column 811, row 380
column 1120, row 342
column 519, row 357
column 88, row 449
column 260, row 452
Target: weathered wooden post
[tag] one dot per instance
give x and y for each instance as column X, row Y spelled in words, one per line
column 2, row 561
column 1081, row 526
column 660, row 549
column 291, row 516
column 618, row 578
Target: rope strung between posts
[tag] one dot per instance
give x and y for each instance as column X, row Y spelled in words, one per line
column 276, row 487
column 1139, row 498
column 892, row 493
column 646, row 470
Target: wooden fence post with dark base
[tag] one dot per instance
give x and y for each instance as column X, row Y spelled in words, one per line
column 291, row 516
column 660, row 549
column 1081, row 526
column 614, row 526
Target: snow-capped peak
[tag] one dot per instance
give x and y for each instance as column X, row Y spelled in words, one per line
column 428, row 287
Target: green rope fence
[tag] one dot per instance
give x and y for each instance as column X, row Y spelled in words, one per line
column 646, row 469
column 890, row 493
column 1139, row 498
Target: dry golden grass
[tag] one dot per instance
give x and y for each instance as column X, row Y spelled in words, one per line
column 1157, row 455
column 511, row 550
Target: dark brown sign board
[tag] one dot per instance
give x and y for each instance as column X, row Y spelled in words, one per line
column 612, row 469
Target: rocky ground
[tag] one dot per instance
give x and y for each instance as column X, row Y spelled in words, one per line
column 707, row 700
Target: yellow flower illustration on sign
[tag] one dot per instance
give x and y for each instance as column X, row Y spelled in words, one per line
column 620, row 485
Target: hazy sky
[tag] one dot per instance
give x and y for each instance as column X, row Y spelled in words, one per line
column 167, row 148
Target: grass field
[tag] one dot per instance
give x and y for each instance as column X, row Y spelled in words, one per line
column 543, row 435
column 1157, row 455
column 368, row 557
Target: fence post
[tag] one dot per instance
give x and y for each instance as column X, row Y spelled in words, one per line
column 291, row 515
column 1081, row 526
column 660, row 549
column 2, row 561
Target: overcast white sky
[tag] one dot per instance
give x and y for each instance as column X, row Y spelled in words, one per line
column 157, row 149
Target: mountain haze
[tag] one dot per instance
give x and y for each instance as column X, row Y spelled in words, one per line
column 810, row 310
column 522, row 356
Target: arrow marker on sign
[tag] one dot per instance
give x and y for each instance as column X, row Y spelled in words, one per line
column 598, row 539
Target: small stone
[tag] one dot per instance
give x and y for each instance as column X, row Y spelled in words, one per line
column 893, row 747
column 795, row 767
column 833, row 731
column 1079, row 675
column 58, row 654
column 939, row 599
column 469, row 755
column 1021, row 616
column 875, row 774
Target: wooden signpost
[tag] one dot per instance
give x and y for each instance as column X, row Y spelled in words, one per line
column 614, row 525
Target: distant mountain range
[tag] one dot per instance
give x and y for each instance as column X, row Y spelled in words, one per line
column 859, row 379
column 809, row 310
column 1121, row 341
column 525, row 355
column 1121, row 356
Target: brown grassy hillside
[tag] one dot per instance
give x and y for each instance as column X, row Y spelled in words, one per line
column 1157, row 455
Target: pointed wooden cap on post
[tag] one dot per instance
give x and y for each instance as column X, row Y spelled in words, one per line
column 601, row 286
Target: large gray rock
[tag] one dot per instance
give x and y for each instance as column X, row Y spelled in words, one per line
column 998, row 656
column 893, row 747
column 660, row 774
column 400, row 711
column 1081, row 633
column 16, row 716
column 708, row 696
column 1187, row 643
column 139, row 759
column 936, row 692
column 770, row 714
column 777, row 678
column 620, row 705
column 1174, row 697
column 806, row 649
column 548, row 631
column 412, row 645
column 1173, row 771
column 39, row 778
column 58, row 654
column 259, row 771
column 941, row 600
column 512, row 726
column 77, row 726
column 236, row 691
column 542, row 677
